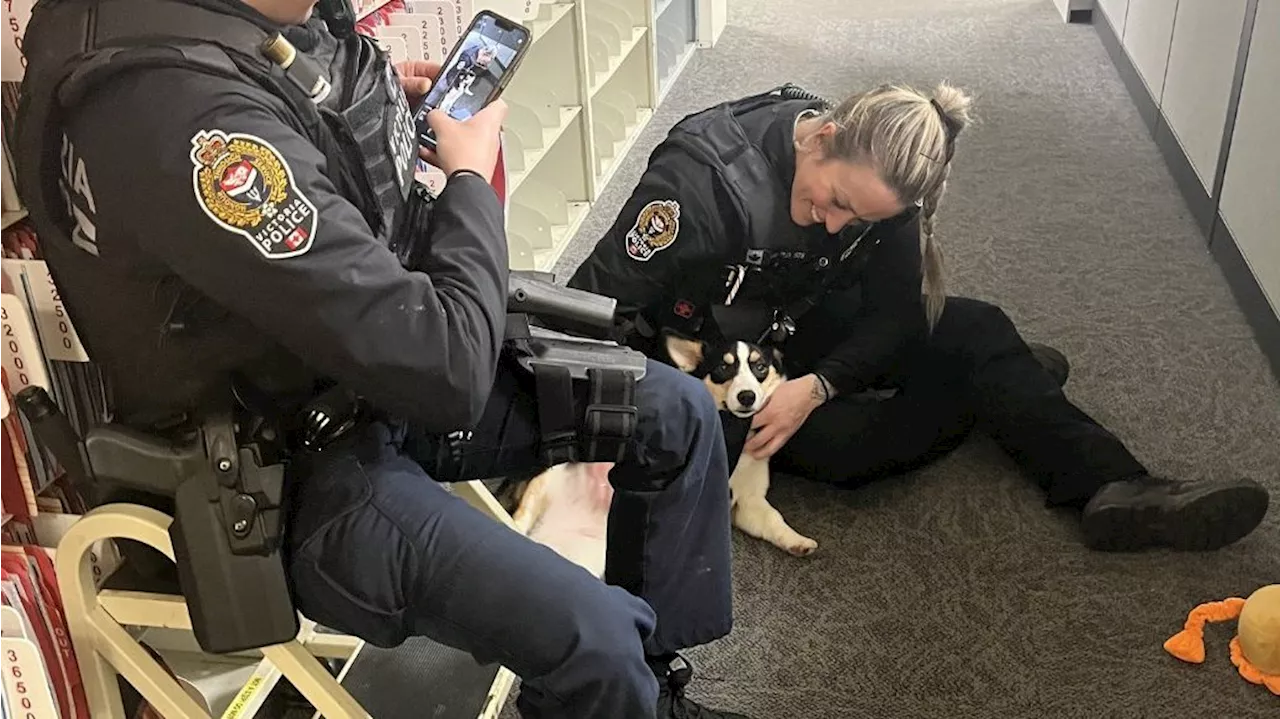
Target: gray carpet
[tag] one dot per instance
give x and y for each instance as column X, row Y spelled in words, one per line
column 952, row 592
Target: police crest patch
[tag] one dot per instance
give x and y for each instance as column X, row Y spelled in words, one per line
column 243, row 184
column 655, row 229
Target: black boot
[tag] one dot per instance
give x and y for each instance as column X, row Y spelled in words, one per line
column 1150, row 511
column 1053, row 361
column 674, row 672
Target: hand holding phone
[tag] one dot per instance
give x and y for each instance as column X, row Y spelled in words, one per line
column 475, row 73
column 467, row 144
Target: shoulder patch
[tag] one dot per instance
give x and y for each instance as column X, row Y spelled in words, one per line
column 245, row 186
column 655, row 229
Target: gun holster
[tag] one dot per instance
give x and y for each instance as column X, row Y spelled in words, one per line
column 227, row 535
column 227, row 527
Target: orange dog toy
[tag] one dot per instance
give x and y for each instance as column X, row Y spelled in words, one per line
column 1255, row 650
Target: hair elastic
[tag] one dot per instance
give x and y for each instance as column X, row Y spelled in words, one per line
column 951, row 127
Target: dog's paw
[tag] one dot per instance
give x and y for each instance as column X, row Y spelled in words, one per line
column 802, row 547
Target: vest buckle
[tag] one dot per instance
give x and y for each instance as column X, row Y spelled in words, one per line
column 780, row 329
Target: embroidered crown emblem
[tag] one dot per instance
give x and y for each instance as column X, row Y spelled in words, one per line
column 209, row 148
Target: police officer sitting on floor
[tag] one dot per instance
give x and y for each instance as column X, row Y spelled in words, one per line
column 225, row 216
column 783, row 218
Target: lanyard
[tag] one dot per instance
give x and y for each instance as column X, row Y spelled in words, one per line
column 783, row 324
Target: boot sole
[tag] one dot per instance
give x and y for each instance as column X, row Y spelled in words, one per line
column 1198, row 521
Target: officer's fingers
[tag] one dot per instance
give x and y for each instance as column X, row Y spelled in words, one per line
column 439, row 120
column 773, row 439
column 493, row 114
column 761, row 453
column 419, row 68
column 428, row 68
column 773, row 446
column 415, row 87
column 759, row 441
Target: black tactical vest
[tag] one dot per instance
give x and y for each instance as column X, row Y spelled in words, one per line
column 343, row 92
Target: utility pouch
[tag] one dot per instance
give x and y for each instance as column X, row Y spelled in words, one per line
column 567, row 369
column 412, row 238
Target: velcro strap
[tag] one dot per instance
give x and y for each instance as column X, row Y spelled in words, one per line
column 643, row 326
column 556, row 417
column 517, row 327
column 611, row 416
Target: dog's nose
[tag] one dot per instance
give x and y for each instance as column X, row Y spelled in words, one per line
column 746, row 398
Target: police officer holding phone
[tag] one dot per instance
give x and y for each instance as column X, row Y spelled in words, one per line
column 224, row 188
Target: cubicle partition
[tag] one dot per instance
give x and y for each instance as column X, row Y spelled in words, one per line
column 1205, row 75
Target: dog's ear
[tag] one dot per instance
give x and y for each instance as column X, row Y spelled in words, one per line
column 777, row 355
column 685, row 353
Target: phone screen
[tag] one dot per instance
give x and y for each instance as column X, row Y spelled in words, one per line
column 475, row 71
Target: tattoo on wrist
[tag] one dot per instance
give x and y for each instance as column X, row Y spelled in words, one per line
column 820, row 392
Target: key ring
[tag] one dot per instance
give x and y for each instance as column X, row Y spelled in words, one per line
column 779, row 330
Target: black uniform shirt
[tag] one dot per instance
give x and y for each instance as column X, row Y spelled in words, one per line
column 306, row 289
column 649, row 270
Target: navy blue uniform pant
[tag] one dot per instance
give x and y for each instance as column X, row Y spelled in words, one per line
column 973, row 372
column 378, row 549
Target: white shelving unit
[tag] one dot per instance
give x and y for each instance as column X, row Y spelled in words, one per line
column 586, row 90
column 675, row 39
column 710, row 19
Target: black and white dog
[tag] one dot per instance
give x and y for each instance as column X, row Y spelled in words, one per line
column 566, row 507
column 741, row 376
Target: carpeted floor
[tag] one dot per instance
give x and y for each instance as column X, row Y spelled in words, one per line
column 952, row 592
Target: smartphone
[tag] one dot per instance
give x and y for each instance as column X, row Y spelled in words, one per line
column 478, row 69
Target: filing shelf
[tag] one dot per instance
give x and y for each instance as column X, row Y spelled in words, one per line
column 587, row 88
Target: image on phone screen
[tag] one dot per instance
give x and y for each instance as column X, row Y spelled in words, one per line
column 475, row 68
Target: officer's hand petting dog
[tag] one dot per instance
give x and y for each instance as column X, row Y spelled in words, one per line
column 784, row 412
